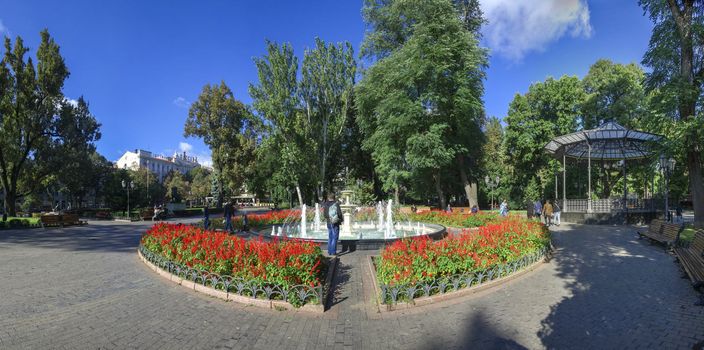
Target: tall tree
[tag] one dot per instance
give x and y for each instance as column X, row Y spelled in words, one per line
column 200, row 183
column 614, row 92
column 326, row 89
column 548, row 109
column 223, row 122
column 276, row 99
column 676, row 57
column 424, row 90
column 39, row 127
column 494, row 159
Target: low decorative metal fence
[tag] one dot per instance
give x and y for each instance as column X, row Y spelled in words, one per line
column 296, row 295
column 392, row 294
column 610, row 205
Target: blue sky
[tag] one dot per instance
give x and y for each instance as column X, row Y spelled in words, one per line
column 139, row 63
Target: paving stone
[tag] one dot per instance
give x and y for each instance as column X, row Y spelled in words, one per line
column 84, row 287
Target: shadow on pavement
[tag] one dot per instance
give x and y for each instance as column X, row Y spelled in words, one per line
column 93, row 237
column 624, row 292
column 479, row 334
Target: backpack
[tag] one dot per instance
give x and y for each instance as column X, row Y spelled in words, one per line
column 334, row 214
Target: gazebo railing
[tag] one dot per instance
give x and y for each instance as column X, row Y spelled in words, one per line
column 611, row 204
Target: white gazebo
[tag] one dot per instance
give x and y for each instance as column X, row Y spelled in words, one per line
column 609, row 142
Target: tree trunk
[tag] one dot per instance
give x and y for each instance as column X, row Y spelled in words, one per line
column 11, row 199
column 441, row 194
column 687, row 108
column 396, row 196
column 696, row 188
column 300, row 197
column 470, row 188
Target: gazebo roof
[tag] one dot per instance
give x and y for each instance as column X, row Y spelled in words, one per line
column 610, row 141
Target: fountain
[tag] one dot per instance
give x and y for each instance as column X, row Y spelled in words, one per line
column 374, row 228
column 316, row 221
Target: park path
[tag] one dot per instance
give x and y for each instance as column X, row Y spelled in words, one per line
column 84, row 287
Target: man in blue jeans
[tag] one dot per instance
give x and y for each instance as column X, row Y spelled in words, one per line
column 333, row 216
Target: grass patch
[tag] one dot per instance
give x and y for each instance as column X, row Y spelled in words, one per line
column 32, row 221
column 687, row 234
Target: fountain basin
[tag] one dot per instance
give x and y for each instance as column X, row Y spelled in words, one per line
column 364, row 236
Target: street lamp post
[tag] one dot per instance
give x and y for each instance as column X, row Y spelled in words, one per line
column 128, row 187
column 149, row 197
column 667, row 166
column 492, row 185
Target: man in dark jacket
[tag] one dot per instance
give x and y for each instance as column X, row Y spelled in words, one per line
column 227, row 214
column 333, row 216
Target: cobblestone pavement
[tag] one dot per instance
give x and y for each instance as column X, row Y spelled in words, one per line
column 85, row 287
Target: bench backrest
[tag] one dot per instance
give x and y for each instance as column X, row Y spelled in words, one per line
column 671, row 230
column 655, row 226
column 698, row 242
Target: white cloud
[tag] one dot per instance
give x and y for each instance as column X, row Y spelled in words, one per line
column 517, row 27
column 71, row 101
column 205, row 159
column 181, row 102
column 185, row 147
column 3, row 29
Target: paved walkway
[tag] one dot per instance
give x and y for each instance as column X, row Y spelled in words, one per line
column 84, row 287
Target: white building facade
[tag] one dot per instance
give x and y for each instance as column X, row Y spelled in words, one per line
column 157, row 164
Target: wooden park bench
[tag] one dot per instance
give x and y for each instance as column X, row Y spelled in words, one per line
column 60, row 220
column 50, row 220
column 662, row 232
column 691, row 259
column 72, row 219
column 147, row 214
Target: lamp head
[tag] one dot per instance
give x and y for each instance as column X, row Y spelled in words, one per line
column 124, row 184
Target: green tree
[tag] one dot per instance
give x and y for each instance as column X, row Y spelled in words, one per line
column 39, row 127
column 81, row 167
column 200, row 183
column 548, row 109
column 424, row 90
column 493, row 160
column 223, row 123
column 676, row 58
column 326, row 90
column 176, row 187
column 276, row 99
column 614, row 92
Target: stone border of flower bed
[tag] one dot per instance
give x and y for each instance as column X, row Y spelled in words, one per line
column 279, row 305
column 426, row 300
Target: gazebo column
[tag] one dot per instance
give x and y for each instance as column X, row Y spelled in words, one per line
column 589, row 179
column 564, row 177
column 625, row 187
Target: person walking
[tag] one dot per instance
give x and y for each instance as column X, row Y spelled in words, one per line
column 206, row 216
column 537, row 208
column 227, row 213
column 503, row 209
column 547, row 213
column 556, row 210
column 333, row 217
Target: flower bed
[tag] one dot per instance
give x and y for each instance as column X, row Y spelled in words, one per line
column 421, row 267
column 456, row 219
column 260, row 220
column 288, row 270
